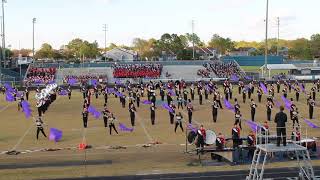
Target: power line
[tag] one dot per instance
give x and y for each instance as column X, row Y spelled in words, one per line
column 105, row 29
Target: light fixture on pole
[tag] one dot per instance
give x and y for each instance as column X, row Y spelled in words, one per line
column 105, row 29
column 3, row 36
column 266, row 41
column 33, row 22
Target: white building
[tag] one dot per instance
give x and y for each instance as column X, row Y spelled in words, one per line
column 120, row 54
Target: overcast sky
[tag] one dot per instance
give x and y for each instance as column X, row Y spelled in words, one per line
column 59, row 21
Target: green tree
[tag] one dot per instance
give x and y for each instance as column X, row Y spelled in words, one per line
column 315, row 44
column 194, row 37
column 223, row 45
column 300, row 49
column 46, row 51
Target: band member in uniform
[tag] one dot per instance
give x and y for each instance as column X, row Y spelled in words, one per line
column 27, row 93
column 190, row 109
column 112, row 121
column 253, row 106
column 236, row 105
column 39, row 106
column 296, row 135
column 39, row 124
column 105, row 97
column 153, row 113
column 311, row 104
column 278, row 86
column 172, row 113
column 201, row 133
column 244, row 95
column 237, row 118
column 251, row 140
column 179, row 100
column 132, row 111
column 269, row 106
column 295, row 117
column 69, row 92
column 259, row 93
column 297, row 89
column 185, row 97
column 215, row 107
column 218, row 99
column 178, row 122
column 169, row 98
column 220, row 141
column 235, row 136
column 106, row 114
column 285, row 93
column 200, row 96
column 192, row 91
column 313, row 90
column 85, row 114
column 162, row 93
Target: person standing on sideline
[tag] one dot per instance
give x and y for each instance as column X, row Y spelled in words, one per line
column 39, row 124
column 281, row 119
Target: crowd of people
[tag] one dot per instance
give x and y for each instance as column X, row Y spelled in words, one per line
column 83, row 79
column 40, row 75
column 221, row 69
column 137, row 70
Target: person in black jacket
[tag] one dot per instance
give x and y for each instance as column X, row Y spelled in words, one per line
column 281, row 119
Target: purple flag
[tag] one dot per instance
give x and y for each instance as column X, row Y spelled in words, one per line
column 123, row 127
column 63, row 93
column 146, row 102
column 278, row 104
column 254, row 126
column 26, row 109
column 9, row 97
column 171, row 92
column 55, row 135
column 264, row 88
column 228, row 105
column 234, row 77
column 311, row 124
column 167, row 107
column 72, row 81
column 192, row 128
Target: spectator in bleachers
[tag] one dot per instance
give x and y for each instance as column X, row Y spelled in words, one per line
column 40, row 75
column 137, row 70
column 222, row 69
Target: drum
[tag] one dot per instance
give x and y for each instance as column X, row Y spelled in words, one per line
column 191, row 136
column 309, row 143
column 210, row 137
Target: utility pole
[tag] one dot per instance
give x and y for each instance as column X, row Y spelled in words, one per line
column 33, row 22
column 278, row 45
column 192, row 24
column 105, row 29
column 3, row 36
column 266, row 41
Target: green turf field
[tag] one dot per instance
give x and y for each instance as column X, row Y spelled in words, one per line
column 16, row 132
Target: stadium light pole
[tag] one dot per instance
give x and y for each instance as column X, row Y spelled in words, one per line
column 266, row 41
column 33, row 22
column 192, row 24
column 278, row 45
column 3, row 36
column 105, row 28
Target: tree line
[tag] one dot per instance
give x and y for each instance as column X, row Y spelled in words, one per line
column 177, row 45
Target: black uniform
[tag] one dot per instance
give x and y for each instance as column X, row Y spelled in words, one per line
column 269, row 108
column 190, row 109
column 132, row 111
column 39, row 124
column 153, row 114
column 253, row 110
column 215, row 107
column 281, row 119
column 111, row 125
column 85, row 118
column 311, row 104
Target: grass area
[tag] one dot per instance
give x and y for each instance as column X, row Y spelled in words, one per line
column 167, row 157
column 257, row 69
